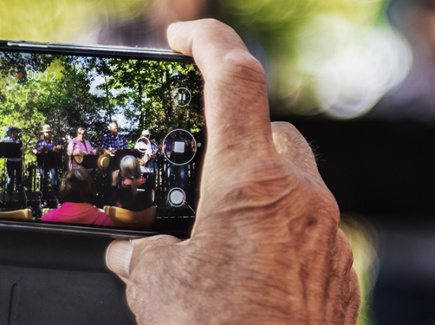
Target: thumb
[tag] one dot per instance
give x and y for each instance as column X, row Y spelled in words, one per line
column 122, row 254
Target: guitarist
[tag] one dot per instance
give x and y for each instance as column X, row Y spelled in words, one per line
column 113, row 141
column 44, row 148
column 151, row 152
column 78, row 148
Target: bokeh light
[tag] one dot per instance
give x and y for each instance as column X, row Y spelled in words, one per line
column 353, row 66
column 336, row 57
column 60, row 21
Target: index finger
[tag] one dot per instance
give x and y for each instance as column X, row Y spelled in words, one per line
column 235, row 92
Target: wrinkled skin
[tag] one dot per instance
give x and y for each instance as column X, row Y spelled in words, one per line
column 265, row 248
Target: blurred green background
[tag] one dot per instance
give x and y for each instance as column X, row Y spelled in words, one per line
column 335, row 58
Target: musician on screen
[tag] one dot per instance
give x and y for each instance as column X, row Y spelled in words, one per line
column 149, row 149
column 46, row 150
column 78, row 148
column 113, row 141
column 14, row 166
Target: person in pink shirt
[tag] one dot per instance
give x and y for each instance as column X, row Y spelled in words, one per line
column 77, row 148
column 76, row 195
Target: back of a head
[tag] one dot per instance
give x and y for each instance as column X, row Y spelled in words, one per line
column 130, row 169
column 77, row 187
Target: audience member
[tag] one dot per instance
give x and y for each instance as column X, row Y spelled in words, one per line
column 76, row 196
column 132, row 191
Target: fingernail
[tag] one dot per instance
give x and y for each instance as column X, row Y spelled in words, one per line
column 118, row 257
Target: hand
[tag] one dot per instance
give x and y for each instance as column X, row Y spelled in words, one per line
column 265, row 248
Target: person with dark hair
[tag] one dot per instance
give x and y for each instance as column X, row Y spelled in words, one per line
column 76, row 195
column 132, row 191
column 14, row 166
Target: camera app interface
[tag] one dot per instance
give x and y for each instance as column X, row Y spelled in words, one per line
column 101, row 141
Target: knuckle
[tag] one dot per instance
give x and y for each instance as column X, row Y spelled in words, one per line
column 324, row 208
column 213, row 24
column 289, row 141
column 345, row 252
column 240, row 65
column 354, row 301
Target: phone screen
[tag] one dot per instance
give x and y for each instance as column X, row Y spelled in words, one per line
column 127, row 119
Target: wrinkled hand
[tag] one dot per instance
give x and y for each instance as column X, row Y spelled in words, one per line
column 265, row 248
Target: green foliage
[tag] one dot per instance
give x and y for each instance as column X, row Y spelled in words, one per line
column 144, row 92
column 71, row 92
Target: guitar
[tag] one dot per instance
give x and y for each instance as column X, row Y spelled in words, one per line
column 42, row 150
column 78, row 157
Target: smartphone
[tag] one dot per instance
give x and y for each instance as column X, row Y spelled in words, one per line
column 95, row 108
